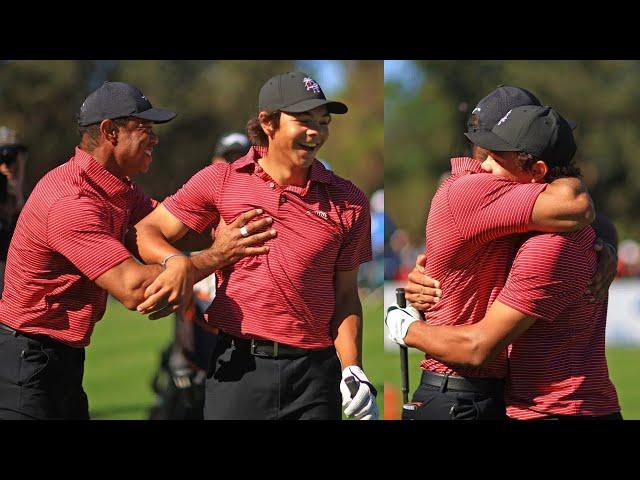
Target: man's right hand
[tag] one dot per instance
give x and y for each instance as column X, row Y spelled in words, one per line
column 422, row 291
column 230, row 245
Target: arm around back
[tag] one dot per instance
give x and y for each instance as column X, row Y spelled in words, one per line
column 564, row 206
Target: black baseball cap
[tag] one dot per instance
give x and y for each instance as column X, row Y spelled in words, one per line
column 495, row 105
column 295, row 92
column 117, row 100
column 232, row 142
column 539, row 131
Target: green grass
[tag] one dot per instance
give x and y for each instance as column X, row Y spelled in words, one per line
column 624, row 369
column 125, row 353
column 125, row 349
column 121, row 360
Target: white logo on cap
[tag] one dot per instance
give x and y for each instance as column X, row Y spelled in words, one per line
column 311, row 84
column 144, row 97
column 503, row 119
column 477, row 109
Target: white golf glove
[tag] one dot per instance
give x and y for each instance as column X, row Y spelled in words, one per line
column 362, row 405
column 398, row 320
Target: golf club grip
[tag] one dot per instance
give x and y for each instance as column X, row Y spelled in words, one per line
column 404, row 353
column 352, row 385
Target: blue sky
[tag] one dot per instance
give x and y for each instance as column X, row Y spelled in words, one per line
column 329, row 74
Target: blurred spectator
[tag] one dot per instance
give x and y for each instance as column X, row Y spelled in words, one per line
column 371, row 273
column 13, row 157
column 179, row 381
column 230, row 147
column 628, row 258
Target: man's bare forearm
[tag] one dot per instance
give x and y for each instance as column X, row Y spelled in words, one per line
column 152, row 246
column 206, row 262
column 452, row 345
column 564, row 206
column 348, row 341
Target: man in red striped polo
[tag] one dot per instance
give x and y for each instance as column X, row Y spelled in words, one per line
column 67, row 254
column 557, row 363
column 471, row 242
column 288, row 323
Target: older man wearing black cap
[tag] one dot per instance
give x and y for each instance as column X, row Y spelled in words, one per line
column 557, row 367
column 470, row 245
column 67, row 254
column 290, row 323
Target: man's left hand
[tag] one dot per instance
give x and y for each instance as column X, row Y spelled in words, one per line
column 362, row 405
column 606, row 272
column 170, row 290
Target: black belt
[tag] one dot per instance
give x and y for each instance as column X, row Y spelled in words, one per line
column 7, row 328
column 266, row 348
column 45, row 339
column 488, row 386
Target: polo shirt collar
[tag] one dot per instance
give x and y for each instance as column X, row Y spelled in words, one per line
column 108, row 182
column 465, row 164
column 319, row 172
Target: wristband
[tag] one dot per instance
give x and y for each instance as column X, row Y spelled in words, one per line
column 164, row 261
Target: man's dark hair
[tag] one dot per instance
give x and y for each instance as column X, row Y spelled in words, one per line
column 254, row 130
column 526, row 160
column 92, row 132
column 473, row 122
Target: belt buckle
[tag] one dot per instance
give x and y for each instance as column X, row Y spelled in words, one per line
column 252, row 349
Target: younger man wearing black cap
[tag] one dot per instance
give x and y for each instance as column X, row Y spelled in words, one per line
column 281, row 319
column 67, row 254
column 557, row 366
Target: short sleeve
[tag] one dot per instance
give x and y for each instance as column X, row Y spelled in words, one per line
column 550, row 272
column 142, row 205
column 485, row 207
column 356, row 245
column 194, row 204
column 79, row 228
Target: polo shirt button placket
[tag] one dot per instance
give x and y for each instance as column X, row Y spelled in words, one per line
column 283, row 199
column 272, row 185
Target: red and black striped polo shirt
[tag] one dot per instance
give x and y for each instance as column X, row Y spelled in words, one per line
column 558, row 366
column 69, row 232
column 288, row 294
column 470, row 244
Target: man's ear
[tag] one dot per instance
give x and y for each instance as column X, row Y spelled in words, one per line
column 539, row 170
column 267, row 126
column 109, row 130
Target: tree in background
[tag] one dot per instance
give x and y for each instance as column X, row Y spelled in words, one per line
column 41, row 98
column 424, row 126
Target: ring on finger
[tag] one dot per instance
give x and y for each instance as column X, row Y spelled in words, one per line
column 244, row 232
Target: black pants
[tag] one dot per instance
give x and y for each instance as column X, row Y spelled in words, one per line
column 431, row 402
column 40, row 379
column 241, row 386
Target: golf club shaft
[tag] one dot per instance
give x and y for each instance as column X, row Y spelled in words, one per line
column 404, row 355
